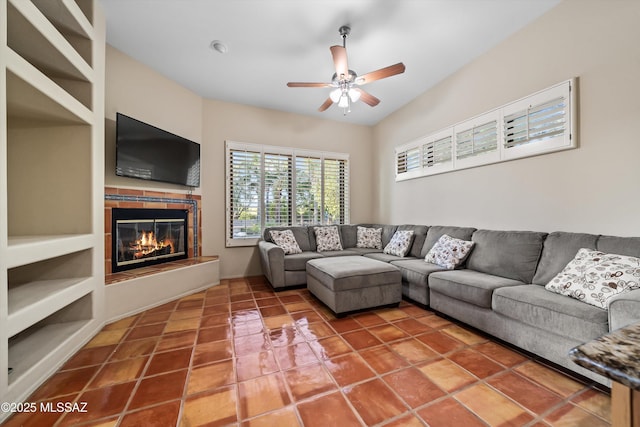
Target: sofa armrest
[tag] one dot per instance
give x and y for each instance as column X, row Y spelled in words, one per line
column 624, row 310
column 272, row 260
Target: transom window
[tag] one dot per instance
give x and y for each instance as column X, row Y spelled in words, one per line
column 540, row 123
column 275, row 186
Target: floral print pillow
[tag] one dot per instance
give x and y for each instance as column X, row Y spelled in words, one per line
column 327, row 238
column 595, row 277
column 400, row 243
column 449, row 252
column 370, row 238
column 286, row 240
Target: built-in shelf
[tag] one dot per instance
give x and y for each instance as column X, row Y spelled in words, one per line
column 31, row 35
column 51, row 221
column 66, row 16
column 27, row 350
column 35, row 343
column 24, row 250
column 34, row 98
column 33, row 301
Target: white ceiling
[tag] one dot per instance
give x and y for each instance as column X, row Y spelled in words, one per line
column 272, row 42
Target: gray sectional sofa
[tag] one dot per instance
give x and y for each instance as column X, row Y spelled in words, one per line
column 499, row 289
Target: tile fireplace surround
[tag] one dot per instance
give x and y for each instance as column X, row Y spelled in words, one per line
column 130, row 198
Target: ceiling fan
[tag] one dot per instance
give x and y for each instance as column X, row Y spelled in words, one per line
column 345, row 81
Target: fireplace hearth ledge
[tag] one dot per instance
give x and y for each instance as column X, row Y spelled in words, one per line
column 139, row 293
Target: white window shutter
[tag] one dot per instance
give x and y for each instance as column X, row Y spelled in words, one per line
column 277, row 193
column 243, row 220
column 539, row 123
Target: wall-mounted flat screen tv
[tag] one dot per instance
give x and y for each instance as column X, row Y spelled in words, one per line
column 146, row 152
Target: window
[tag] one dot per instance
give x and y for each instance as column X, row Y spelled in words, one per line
column 540, row 123
column 437, row 152
column 277, row 189
column 477, row 140
column 408, row 160
column 274, row 186
column 244, row 193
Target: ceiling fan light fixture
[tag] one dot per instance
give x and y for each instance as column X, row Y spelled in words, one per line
column 344, row 101
column 354, row 95
column 335, row 95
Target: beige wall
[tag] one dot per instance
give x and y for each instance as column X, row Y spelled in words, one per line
column 138, row 91
column 241, row 123
column 591, row 189
column 134, row 89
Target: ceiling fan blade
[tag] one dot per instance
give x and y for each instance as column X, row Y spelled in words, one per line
column 339, row 54
column 305, row 84
column 367, row 98
column 325, row 105
column 382, row 73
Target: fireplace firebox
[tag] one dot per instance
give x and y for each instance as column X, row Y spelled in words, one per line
column 142, row 237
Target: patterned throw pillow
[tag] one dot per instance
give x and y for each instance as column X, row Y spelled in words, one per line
column 400, row 243
column 286, row 241
column 370, row 238
column 327, row 238
column 449, row 252
column 595, row 277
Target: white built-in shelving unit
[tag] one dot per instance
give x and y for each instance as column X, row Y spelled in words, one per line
column 51, row 186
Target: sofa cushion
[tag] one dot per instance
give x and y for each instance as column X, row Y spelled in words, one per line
column 535, row 306
column 629, row 246
column 344, row 252
column 345, row 273
column 348, row 235
column 380, row 256
column 300, row 233
column 298, row 262
column 449, row 252
column 387, row 231
column 595, row 277
column 437, row 231
column 560, row 248
column 286, row 240
column 400, row 243
column 511, row 254
column 469, row 286
column 419, row 235
column 327, row 238
column 369, row 238
column 416, row 270
column 362, row 251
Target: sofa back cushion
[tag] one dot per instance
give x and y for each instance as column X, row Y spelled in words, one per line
column 300, row 233
column 511, row 254
column 349, row 235
column 437, row 231
column 387, row 231
column 558, row 250
column 629, row 246
column 419, row 236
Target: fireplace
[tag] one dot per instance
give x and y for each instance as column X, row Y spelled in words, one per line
column 142, row 237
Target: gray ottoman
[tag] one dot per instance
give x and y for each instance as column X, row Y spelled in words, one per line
column 350, row 283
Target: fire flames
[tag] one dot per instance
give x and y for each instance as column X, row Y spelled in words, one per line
column 147, row 245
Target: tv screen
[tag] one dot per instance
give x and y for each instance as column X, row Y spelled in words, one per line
column 146, row 152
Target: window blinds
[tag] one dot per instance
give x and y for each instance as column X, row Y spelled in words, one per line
column 276, row 186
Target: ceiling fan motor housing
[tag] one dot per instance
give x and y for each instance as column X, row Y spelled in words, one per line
column 350, row 78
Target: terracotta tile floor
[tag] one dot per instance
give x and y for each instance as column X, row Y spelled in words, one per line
column 240, row 354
